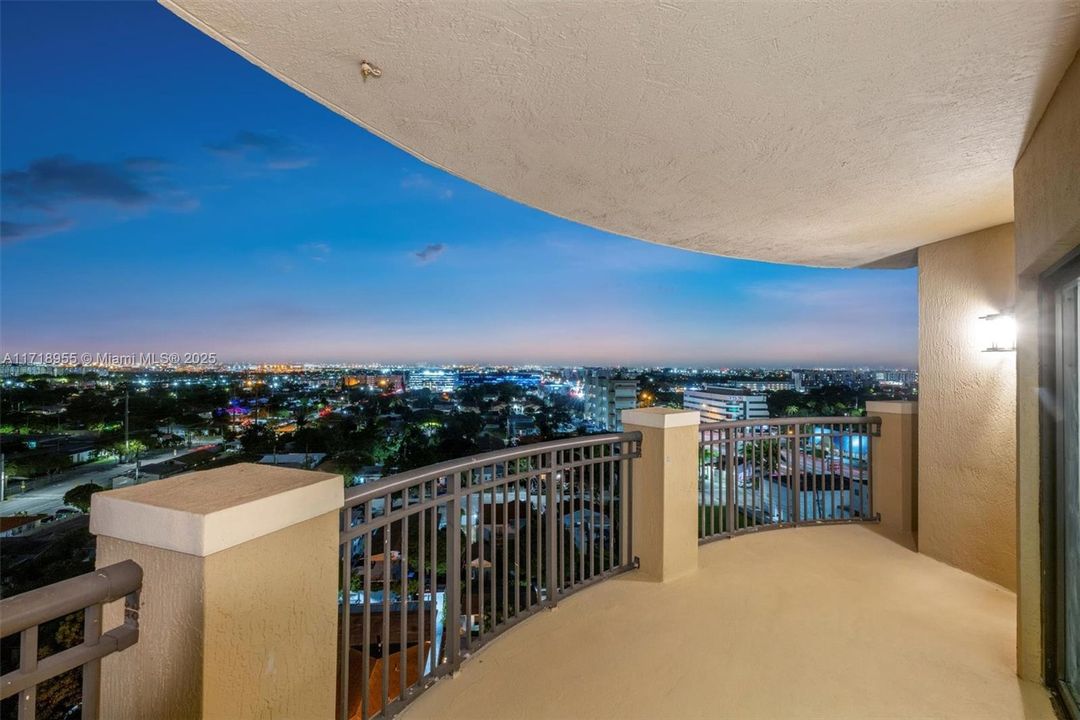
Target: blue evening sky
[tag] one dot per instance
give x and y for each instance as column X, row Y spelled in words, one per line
column 162, row 194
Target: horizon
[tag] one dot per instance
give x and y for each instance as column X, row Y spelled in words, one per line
column 161, row 194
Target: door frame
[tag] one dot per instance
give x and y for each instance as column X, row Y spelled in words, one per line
column 1051, row 490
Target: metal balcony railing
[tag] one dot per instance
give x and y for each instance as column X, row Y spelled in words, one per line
column 784, row 472
column 24, row 613
column 437, row 561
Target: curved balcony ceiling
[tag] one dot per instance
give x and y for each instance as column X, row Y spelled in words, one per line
column 834, row 134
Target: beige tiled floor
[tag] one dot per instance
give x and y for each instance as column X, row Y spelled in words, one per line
column 829, row 622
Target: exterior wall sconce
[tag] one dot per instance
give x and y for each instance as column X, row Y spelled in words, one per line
column 1001, row 331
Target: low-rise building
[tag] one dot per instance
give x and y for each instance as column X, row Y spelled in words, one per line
column 12, row 525
column 718, row 404
column 606, row 396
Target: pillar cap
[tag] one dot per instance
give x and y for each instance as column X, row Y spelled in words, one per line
column 892, row 407
column 658, row 417
column 205, row 512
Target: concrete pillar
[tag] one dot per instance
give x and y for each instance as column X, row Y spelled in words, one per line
column 239, row 604
column 665, row 491
column 896, row 463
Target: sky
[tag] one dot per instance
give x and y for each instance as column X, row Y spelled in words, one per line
column 161, row 194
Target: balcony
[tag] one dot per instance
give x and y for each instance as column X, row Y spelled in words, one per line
column 577, row 578
column 821, row 622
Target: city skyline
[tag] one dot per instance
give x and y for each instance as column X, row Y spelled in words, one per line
column 162, row 194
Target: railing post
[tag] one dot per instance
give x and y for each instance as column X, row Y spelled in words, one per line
column 664, row 514
column 894, row 462
column 239, row 596
column 551, row 525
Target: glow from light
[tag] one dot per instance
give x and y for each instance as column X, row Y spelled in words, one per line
column 1000, row 332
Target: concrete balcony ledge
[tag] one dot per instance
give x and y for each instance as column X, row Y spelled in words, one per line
column 828, row 622
column 206, row 512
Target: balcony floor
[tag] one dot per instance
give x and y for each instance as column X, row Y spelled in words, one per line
column 828, row 622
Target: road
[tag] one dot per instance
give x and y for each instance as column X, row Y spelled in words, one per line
column 48, row 499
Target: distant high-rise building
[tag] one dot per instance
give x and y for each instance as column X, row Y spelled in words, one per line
column 718, row 404
column 524, row 380
column 606, row 396
column 433, row 379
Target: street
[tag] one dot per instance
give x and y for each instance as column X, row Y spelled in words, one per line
column 50, row 498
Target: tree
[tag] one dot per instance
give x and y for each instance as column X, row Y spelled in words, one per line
column 79, row 496
column 782, row 401
column 258, row 439
column 125, row 451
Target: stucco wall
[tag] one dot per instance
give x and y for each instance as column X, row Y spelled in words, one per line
column 967, row 418
column 895, row 457
column 154, row 677
column 1046, row 181
column 248, row 632
column 1046, row 184
column 271, row 620
column 665, row 481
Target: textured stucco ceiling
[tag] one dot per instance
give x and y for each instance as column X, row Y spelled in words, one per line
column 835, row 133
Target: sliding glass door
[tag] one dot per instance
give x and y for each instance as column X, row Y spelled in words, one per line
column 1065, row 601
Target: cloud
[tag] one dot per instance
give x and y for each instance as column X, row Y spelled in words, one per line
column 44, row 195
column 49, row 183
column 429, row 253
column 317, row 251
column 422, row 183
column 14, row 231
column 272, row 151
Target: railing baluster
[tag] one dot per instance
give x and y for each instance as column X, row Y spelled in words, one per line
column 384, row 637
column 869, row 478
column 505, row 552
column 529, row 532
column 403, row 600
column 581, row 548
column 91, row 672
column 369, row 566
column 552, row 562
column 469, row 525
column 609, row 492
column 343, row 630
column 627, row 490
column 453, row 576
column 482, row 551
column 433, row 565
column 592, row 517
column 421, row 587
column 28, row 648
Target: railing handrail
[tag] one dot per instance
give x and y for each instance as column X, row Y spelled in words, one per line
column 44, row 604
column 853, row 420
column 24, row 614
column 400, row 481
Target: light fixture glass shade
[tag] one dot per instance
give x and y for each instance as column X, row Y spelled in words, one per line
column 1001, row 332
